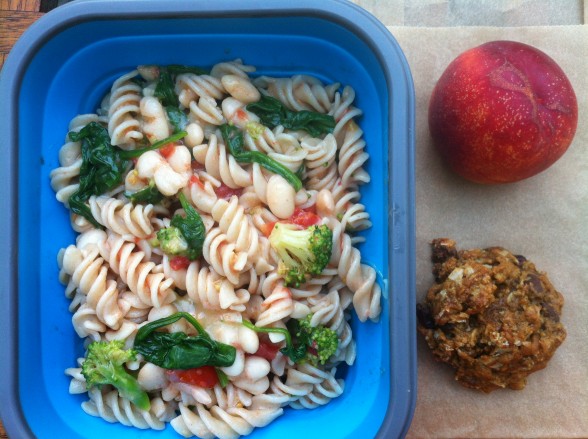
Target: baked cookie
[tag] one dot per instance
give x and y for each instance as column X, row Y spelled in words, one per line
column 490, row 315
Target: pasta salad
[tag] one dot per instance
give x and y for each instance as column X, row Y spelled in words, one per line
column 215, row 268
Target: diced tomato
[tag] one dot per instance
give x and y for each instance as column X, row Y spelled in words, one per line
column 179, row 262
column 167, row 150
column 241, row 114
column 267, row 349
column 304, row 218
column 196, row 166
column 195, row 180
column 223, row 191
column 267, row 228
column 204, row 376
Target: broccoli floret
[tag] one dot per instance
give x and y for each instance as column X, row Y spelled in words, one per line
column 322, row 341
column 304, row 343
column 104, row 364
column 302, row 252
column 172, row 242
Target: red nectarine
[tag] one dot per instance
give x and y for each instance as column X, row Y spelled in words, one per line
column 502, row 112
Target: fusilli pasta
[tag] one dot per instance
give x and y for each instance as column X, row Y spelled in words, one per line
column 191, row 230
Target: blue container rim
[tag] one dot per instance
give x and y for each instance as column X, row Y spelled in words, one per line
column 342, row 12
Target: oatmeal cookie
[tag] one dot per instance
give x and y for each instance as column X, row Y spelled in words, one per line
column 491, row 315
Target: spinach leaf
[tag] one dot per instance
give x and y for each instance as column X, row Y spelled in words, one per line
column 177, row 350
column 148, row 195
column 191, row 227
column 233, row 138
column 134, row 153
column 177, row 118
column 102, row 168
column 164, row 89
column 178, row 69
column 223, row 379
column 103, row 165
column 272, row 113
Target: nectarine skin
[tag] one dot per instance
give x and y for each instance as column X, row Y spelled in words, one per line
column 502, row 112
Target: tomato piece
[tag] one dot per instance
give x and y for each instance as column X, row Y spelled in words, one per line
column 241, row 114
column 223, row 191
column 195, row 180
column 196, row 166
column 204, row 376
column 167, row 150
column 267, row 228
column 304, row 218
column 267, row 349
column 179, row 263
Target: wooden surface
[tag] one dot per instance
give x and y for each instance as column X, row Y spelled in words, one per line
column 15, row 17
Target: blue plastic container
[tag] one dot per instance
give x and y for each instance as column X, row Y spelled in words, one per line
column 64, row 64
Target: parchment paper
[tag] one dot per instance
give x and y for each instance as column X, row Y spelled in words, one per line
column 544, row 218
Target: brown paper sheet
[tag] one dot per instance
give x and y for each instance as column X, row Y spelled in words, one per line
column 544, row 218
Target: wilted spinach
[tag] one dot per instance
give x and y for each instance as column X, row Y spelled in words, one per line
column 147, row 195
column 176, row 117
column 272, row 113
column 233, row 138
column 103, row 165
column 102, row 168
column 165, row 87
column 177, row 350
column 191, row 227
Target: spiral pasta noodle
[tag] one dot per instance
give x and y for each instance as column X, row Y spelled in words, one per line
column 122, row 217
column 111, row 407
column 150, row 286
column 123, row 126
column 190, row 227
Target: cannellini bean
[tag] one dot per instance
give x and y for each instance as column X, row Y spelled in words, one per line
column 195, row 135
column 280, row 197
column 168, row 181
column 254, row 376
column 236, row 335
column 256, row 367
column 148, row 163
column 180, row 159
column 240, row 88
column 155, row 122
column 152, row 165
column 325, row 204
column 152, row 377
column 238, row 365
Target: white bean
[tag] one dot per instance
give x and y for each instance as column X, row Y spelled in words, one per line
column 241, row 88
column 280, row 197
column 168, row 181
column 325, row 204
column 148, row 163
column 195, row 135
column 152, row 377
column 180, row 159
